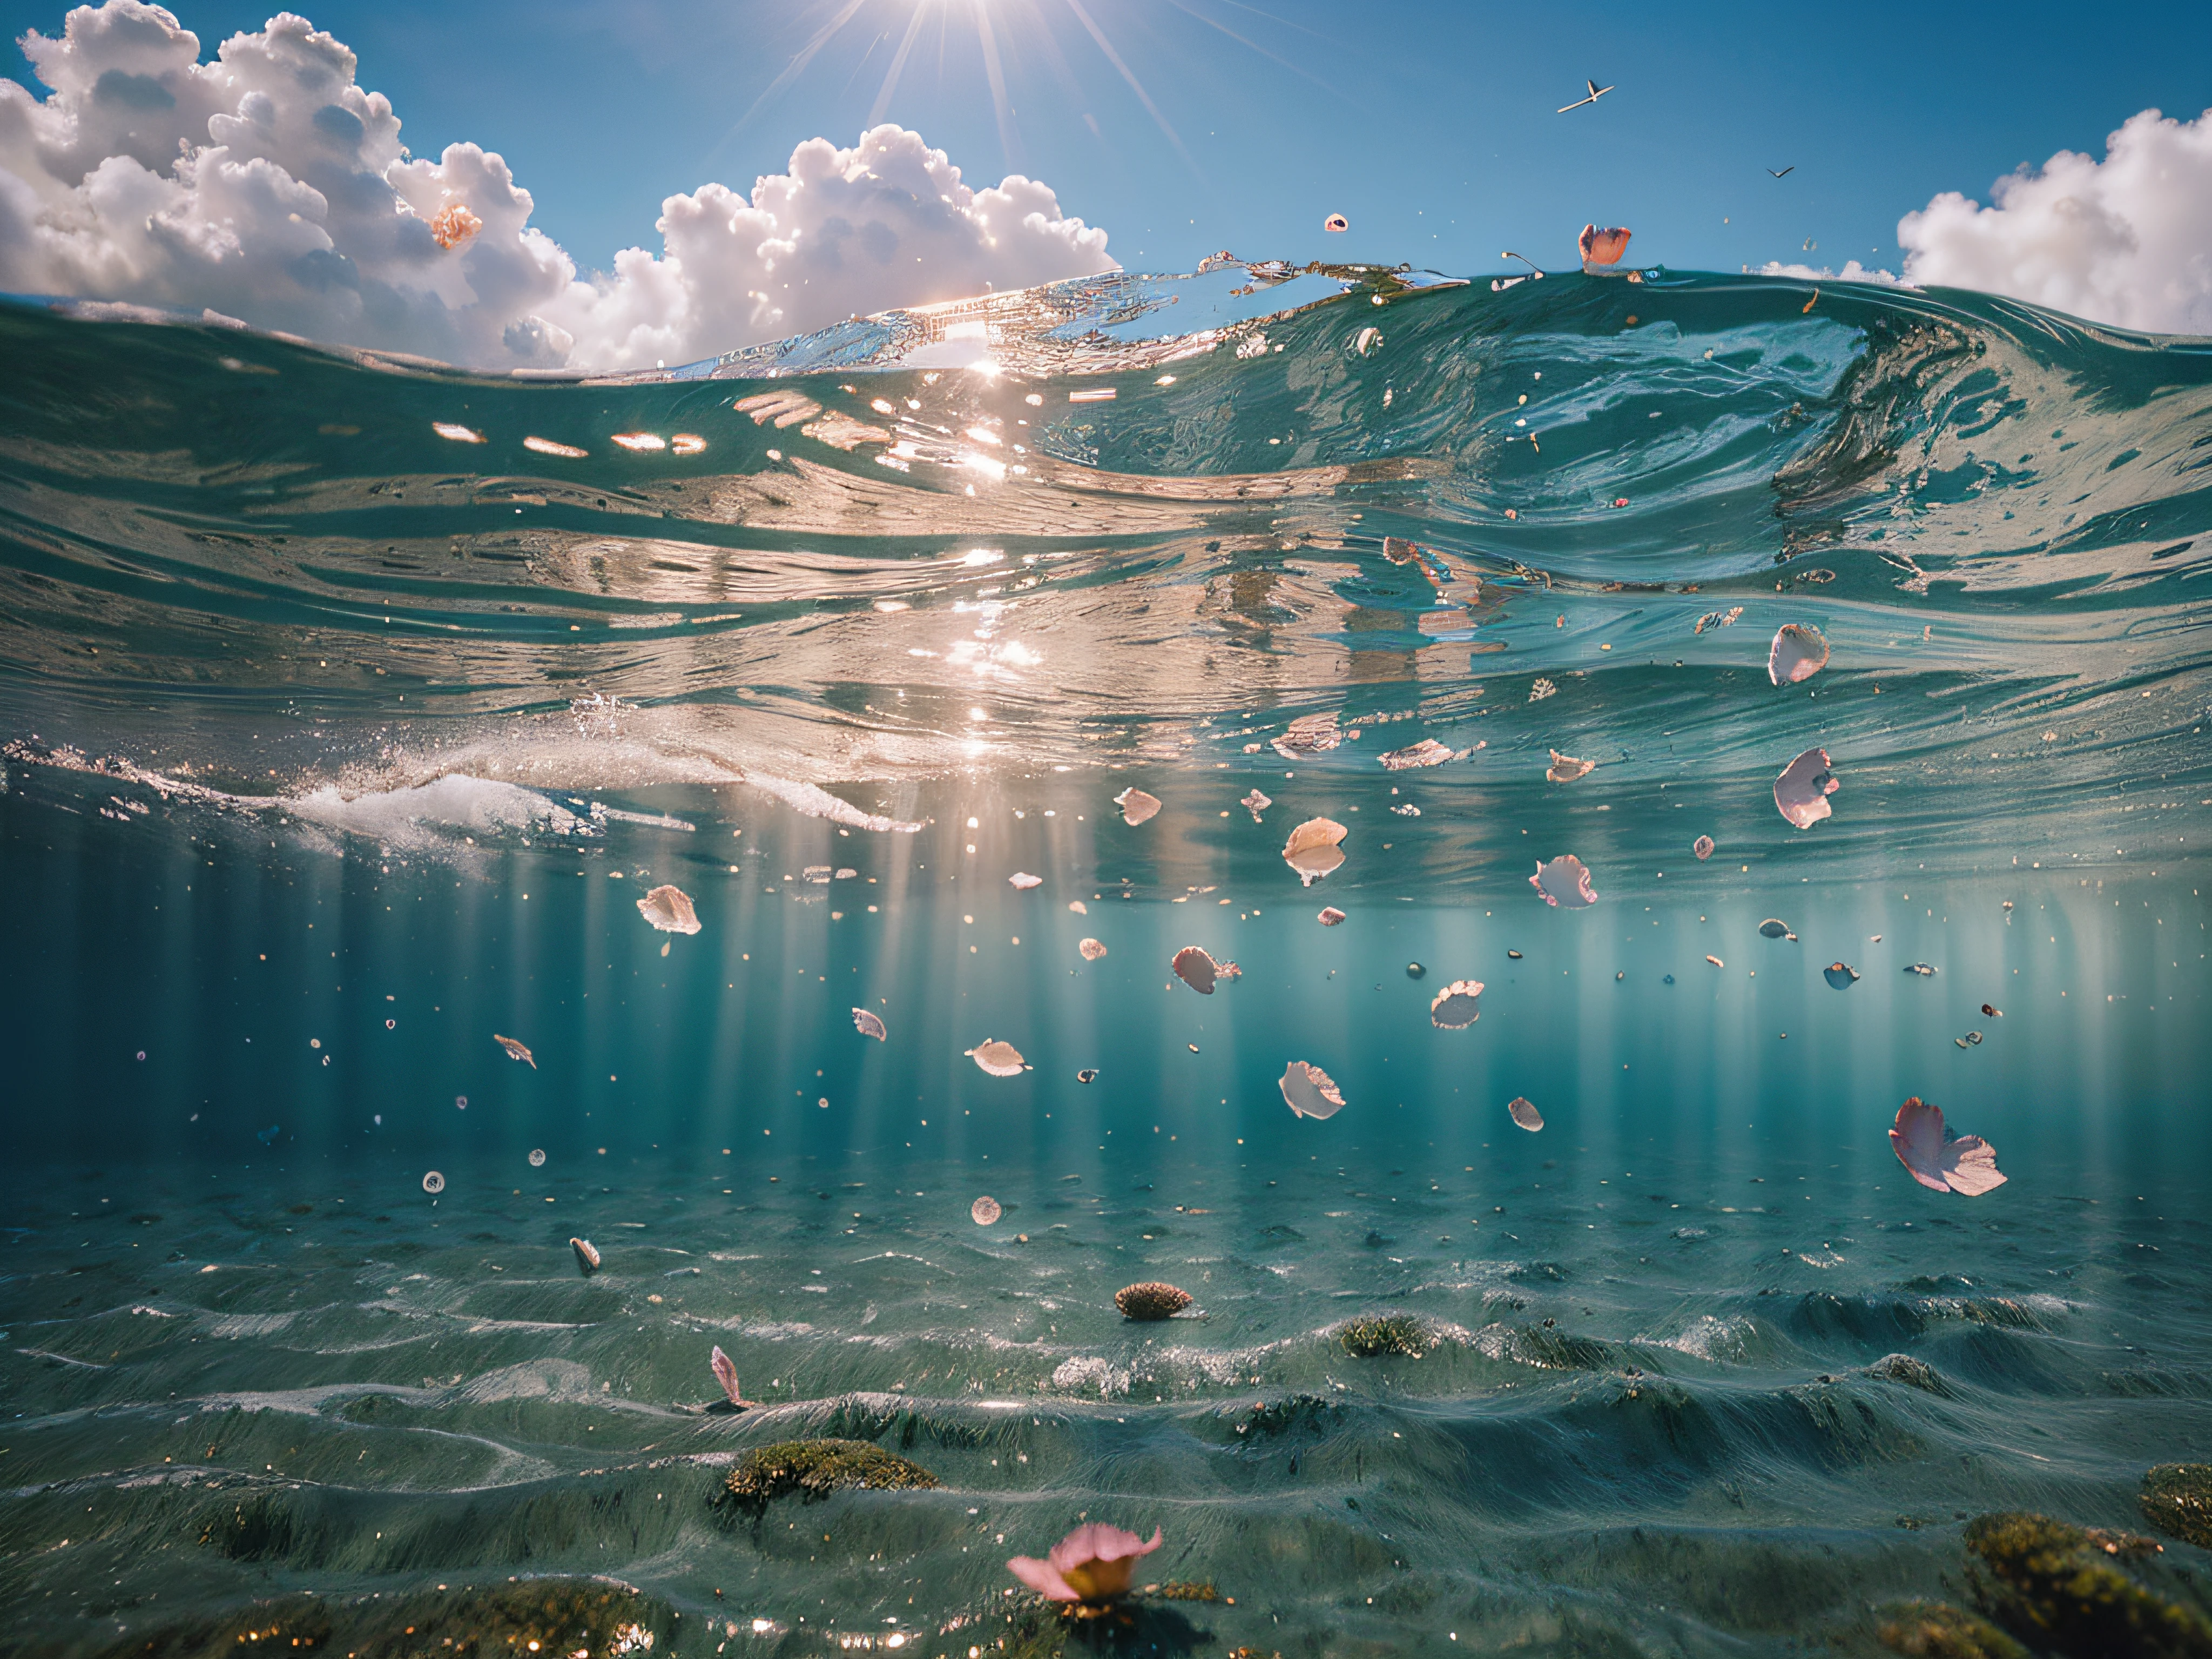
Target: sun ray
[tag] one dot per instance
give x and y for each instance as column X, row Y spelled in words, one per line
column 1135, row 85
column 1009, row 141
column 1253, row 46
column 792, row 71
column 898, row 63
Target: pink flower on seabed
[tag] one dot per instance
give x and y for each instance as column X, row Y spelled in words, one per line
column 1091, row 1564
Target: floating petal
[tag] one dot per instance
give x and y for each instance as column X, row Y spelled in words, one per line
column 1798, row 652
column 1427, row 752
column 1330, row 916
column 1312, row 850
column 669, row 910
column 985, row 1211
column 1565, row 769
column 1563, row 883
column 1938, row 1160
column 998, row 1059
column 726, row 1373
column 1308, row 1091
column 1256, row 803
column 868, row 1025
column 1199, row 970
column 1136, row 806
column 514, row 1050
column 1455, row 1007
column 1524, row 1114
column 1801, row 793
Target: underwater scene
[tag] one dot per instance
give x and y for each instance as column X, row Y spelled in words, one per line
column 1280, row 961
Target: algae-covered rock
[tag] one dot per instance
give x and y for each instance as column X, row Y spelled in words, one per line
column 1913, row 1373
column 1150, row 1301
column 2057, row 1588
column 1929, row 1630
column 815, row 1468
column 1373, row 1335
column 2177, row 1499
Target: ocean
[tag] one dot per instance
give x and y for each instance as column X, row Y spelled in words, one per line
column 1425, row 648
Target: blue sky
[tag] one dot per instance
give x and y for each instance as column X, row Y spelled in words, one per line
column 1431, row 125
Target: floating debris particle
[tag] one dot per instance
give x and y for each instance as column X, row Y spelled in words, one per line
column 1091, row 949
column 588, row 1255
column 1023, row 880
column 1313, row 849
column 547, row 446
column 1136, row 806
column 985, row 1211
column 1330, row 916
column 1197, row 969
column 1973, row 1039
column 1599, row 246
column 669, row 910
column 458, row 433
column 1702, row 846
column 1415, row 970
column 1715, row 961
column 1924, row 970
column 1079, row 908
column 1841, row 975
column 1256, row 803
column 869, row 1024
column 1565, row 769
column 1308, row 734
column 1942, row 1162
column 640, row 442
column 1718, row 619
column 998, row 1059
column 1801, row 793
column 1427, row 752
column 1088, row 1074
column 1513, row 955
column 514, row 1050
column 453, row 225
column 1406, row 810
column 1541, row 689
column 688, row 443
column 1992, row 1013
column 1150, row 1301
column 1564, row 882
column 1524, row 1114
column 1336, row 224
column 726, row 1373
column 1309, row 1092
column 1798, row 652
column 433, row 1182
column 1774, row 927
column 537, row 1158
column 1456, row 1006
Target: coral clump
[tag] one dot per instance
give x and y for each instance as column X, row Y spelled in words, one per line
column 1373, row 1335
column 815, row 1468
column 2057, row 1588
column 1929, row 1630
column 1150, row 1301
column 2177, row 1499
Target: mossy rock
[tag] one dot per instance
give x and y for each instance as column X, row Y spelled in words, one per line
column 2177, row 1499
column 2057, row 1588
column 1913, row 1373
column 1373, row 1335
column 815, row 1468
column 1150, row 1301
column 1929, row 1630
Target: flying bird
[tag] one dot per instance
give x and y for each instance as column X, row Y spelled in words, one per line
column 1792, row 168
column 1596, row 92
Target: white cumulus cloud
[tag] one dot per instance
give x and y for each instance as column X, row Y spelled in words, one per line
column 268, row 185
column 2127, row 240
column 1853, row 272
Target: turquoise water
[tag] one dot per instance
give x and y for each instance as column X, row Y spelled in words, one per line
column 336, row 747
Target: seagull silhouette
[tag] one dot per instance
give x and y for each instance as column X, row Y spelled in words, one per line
column 1596, row 92
column 1792, row 168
